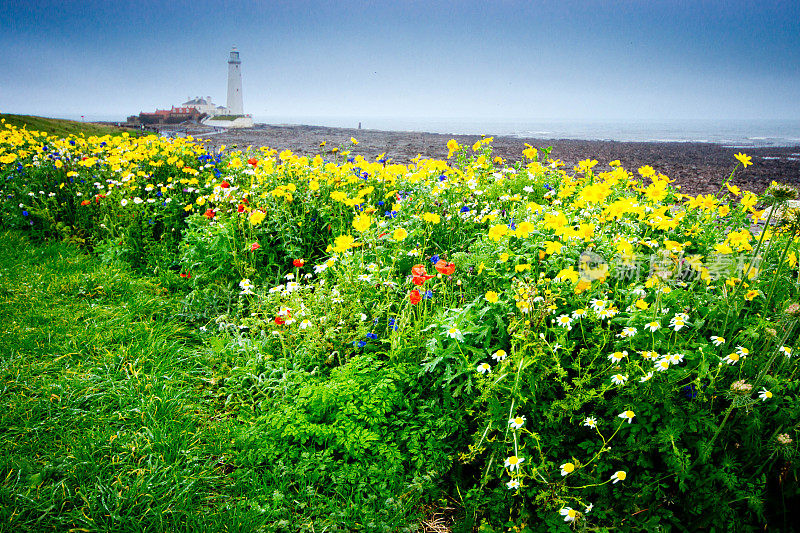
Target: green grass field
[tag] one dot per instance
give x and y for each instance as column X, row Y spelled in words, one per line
column 60, row 127
column 104, row 426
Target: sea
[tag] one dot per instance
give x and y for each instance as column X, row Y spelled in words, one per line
column 734, row 133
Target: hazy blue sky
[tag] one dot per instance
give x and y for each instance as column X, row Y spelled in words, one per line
column 501, row 60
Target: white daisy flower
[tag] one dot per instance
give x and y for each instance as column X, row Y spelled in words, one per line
column 517, row 422
column 598, row 305
column 616, row 357
column 513, row 484
column 653, row 326
column 246, row 286
column 569, row 514
column 646, row 377
column 499, row 356
column 567, row 468
column 677, row 323
column 627, row 415
column 627, row 332
column 764, row 394
column 619, row 476
column 564, row 321
column 741, row 350
column 662, row 365
column 717, row 340
column 732, row 358
column 675, row 358
column 513, row 462
column 590, row 422
column 484, row 368
column 786, row 350
column 618, row 379
column 578, row 314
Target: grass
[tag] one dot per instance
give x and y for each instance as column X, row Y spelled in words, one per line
column 103, row 426
column 60, row 127
column 119, row 417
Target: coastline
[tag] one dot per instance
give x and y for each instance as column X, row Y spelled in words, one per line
column 697, row 167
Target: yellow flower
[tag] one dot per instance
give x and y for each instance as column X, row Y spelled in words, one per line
column 567, row 274
column 504, row 257
column 585, row 165
column 256, row 217
column 641, row 304
column 596, row 193
column 452, row 146
column 362, row 222
column 522, row 268
column 646, row 171
column 750, row 296
column 552, row 247
column 431, row 217
column 524, row 229
column 743, row 159
column 497, row 232
column 749, row 200
column 342, row 243
column 353, row 140
column 733, row 189
column 399, row 234
column 492, row 297
column 530, row 152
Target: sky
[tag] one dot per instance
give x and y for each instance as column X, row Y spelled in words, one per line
column 502, row 60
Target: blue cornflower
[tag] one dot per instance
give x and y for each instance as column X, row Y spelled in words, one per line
column 442, row 177
column 351, row 159
column 25, row 213
column 428, row 295
column 434, row 259
column 372, row 336
column 689, row 391
column 381, row 202
column 360, row 344
column 549, row 188
column 390, row 214
column 464, row 209
column 159, row 193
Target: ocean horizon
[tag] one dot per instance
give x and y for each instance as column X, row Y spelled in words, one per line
column 736, row 133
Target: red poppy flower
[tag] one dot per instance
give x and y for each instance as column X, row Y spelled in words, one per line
column 443, row 267
column 253, row 161
column 86, row 202
column 225, row 185
column 240, row 209
column 187, row 275
column 255, row 247
column 414, row 297
column 279, row 320
column 299, row 262
column 209, row 214
column 419, row 275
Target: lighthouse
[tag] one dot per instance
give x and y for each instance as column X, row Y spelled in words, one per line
column 235, row 106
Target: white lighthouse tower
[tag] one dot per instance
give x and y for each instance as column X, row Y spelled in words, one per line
column 235, row 106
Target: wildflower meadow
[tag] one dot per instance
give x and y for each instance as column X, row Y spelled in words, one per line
column 471, row 344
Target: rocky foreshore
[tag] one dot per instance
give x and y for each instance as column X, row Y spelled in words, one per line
column 697, row 167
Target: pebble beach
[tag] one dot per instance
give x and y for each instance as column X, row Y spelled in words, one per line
column 700, row 168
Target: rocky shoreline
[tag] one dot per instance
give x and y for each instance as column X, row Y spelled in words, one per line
column 697, row 167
